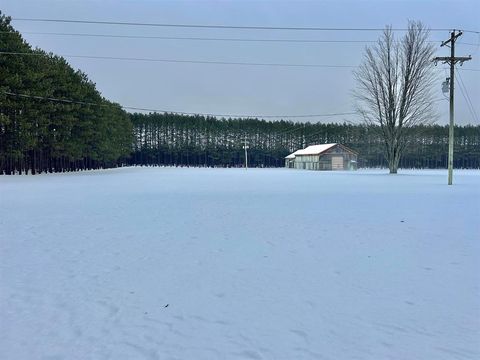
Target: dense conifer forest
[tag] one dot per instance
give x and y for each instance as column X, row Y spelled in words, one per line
column 168, row 139
column 39, row 135
column 53, row 119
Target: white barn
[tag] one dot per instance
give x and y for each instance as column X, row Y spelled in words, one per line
column 323, row 157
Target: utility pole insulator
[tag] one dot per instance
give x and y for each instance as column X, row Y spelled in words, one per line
column 451, row 60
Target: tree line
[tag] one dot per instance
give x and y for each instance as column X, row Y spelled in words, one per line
column 53, row 119
column 41, row 135
column 179, row 140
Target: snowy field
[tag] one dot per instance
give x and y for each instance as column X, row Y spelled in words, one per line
column 192, row 264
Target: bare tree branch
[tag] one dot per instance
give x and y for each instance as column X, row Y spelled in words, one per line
column 394, row 87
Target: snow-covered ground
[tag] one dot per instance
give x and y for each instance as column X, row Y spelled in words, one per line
column 163, row 263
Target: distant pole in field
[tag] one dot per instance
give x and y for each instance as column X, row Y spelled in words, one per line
column 451, row 60
column 245, row 146
column 304, row 142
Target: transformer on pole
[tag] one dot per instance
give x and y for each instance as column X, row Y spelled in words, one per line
column 451, row 60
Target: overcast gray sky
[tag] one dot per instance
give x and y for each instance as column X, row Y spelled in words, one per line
column 239, row 89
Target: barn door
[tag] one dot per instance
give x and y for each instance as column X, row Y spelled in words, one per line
column 337, row 162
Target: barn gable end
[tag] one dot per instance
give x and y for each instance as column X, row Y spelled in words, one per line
column 323, row 157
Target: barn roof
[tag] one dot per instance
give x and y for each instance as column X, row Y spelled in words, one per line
column 292, row 155
column 311, row 150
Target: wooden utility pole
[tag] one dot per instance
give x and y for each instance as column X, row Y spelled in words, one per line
column 245, row 146
column 304, row 142
column 451, row 60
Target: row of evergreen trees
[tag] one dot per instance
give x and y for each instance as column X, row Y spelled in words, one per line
column 169, row 139
column 39, row 135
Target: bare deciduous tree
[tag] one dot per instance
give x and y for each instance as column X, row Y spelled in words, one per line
column 394, row 87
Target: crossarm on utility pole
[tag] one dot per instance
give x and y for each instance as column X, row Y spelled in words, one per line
column 447, row 59
column 451, row 60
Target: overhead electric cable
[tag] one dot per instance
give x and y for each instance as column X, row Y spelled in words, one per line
column 194, row 38
column 208, row 38
column 466, row 96
column 294, row 28
column 194, row 61
column 69, row 101
column 181, row 61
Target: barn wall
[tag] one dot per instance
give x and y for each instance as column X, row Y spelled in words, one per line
column 324, row 161
column 326, row 158
column 306, row 162
column 290, row 163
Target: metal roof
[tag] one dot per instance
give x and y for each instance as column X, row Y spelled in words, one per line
column 292, row 155
column 311, row 150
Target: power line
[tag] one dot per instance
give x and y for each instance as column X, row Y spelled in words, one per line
column 182, row 61
column 198, row 61
column 452, row 60
column 466, row 96
column 195, row 38
column 191, row 38
column 207, row 38
column 198, row 26
column 309, row 136
column 69, row 101
column 193, row 61
column 54, row 99
column 242, row 115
